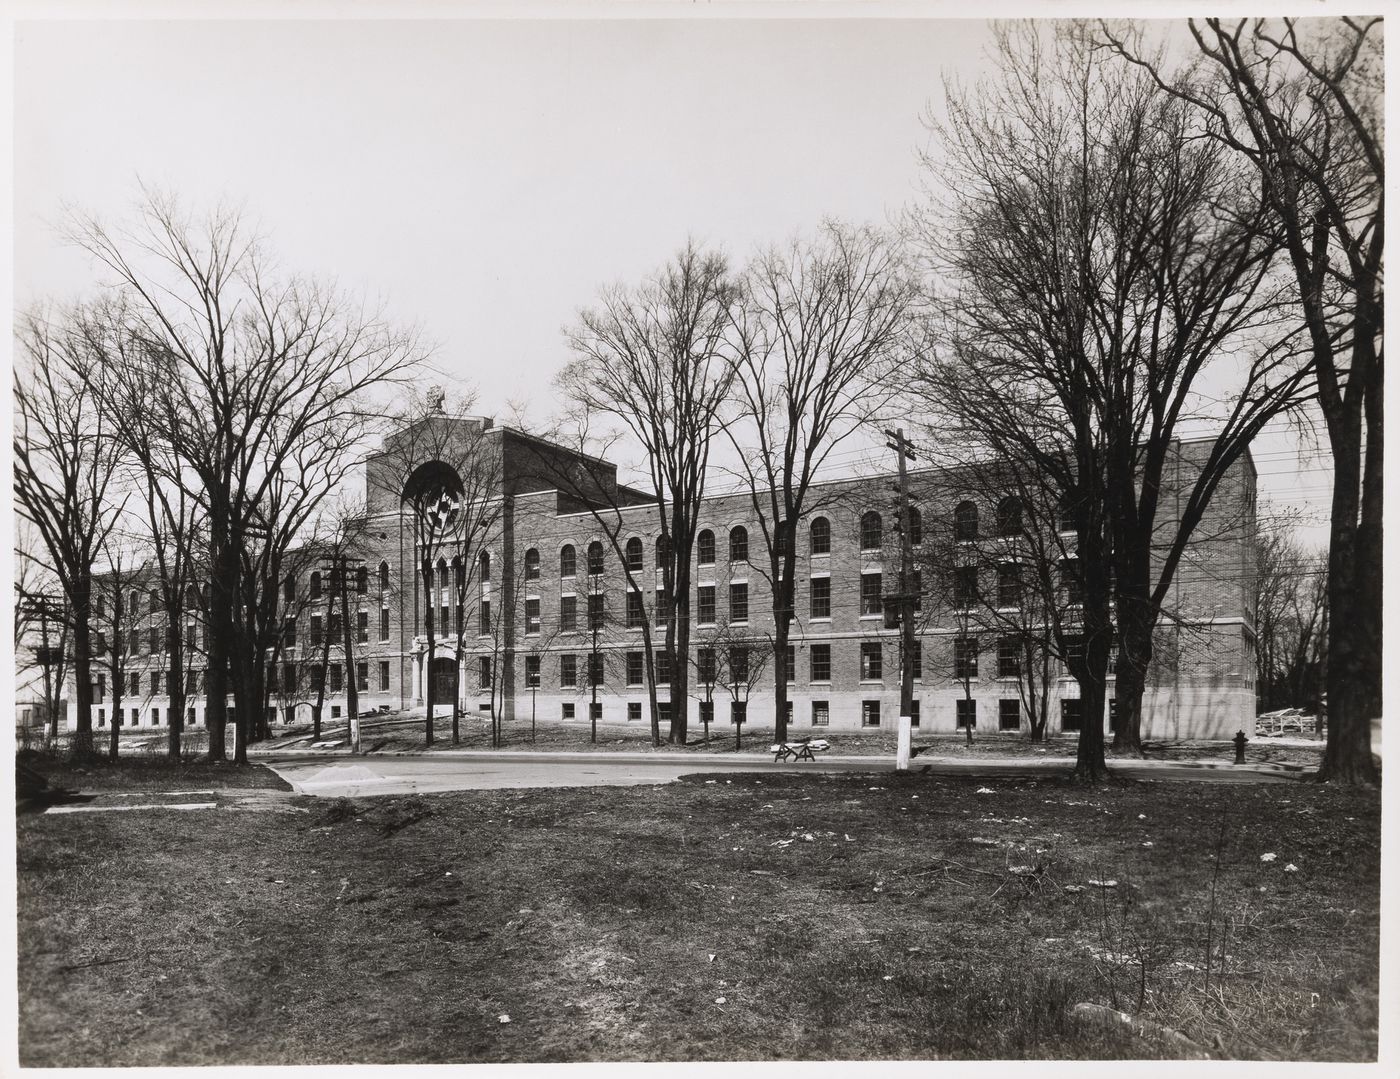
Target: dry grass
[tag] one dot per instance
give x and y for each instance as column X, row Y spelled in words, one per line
column 608, row 923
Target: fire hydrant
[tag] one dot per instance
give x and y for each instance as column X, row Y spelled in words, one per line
column 1240, row 742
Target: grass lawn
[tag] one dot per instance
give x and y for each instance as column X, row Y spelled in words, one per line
column 150, row 773
column 749, row 917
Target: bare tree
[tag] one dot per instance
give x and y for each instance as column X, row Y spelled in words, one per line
column 818, row 332
column 261, row 384
column 66, row 456
column 117, row 584
column 1301, row 100
column 1104, row 257
column 42, row 629
column 742, row 660
column 655, row 359
column 1290, row 622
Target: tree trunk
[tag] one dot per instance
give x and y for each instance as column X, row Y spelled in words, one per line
column 82, row 747
column 175, row 683
column 782, row 629
column 1135, row 626
column 430, row 624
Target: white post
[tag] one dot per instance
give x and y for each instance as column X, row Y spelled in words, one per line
column 354, row 734
column 906, row 733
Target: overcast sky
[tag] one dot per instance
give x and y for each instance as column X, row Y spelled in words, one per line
column 486, row 178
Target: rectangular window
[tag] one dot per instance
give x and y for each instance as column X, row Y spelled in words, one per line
column 1008, row 658
column 821, row 663
column 595, row 668
column 967, row 713
column 1071, row 714
column 634, row 712
column 1008, row 714
column 790, row 664
column 362, row 627
column 869, row 713
column 334, row 629
column 383, row 675
column 568, row 613
column 135, row 683
column 821, row 597
column 532, row 672
column 191, row 682
column 1074, row 648
column 872, row 666
column 289, row 677
column 1070, row 580
column 191, row 636
column 289, row 633
column 964, row 587
column 383, row 623
column 566, row 710
column 636, row 614
column 739, row 664
column 99, row 693
column 155, row 717
column 484, row 617
column 1009, row 585
column 532, row 616
column 870, row 595
column 315, row 631
column 634, row 668
column 568, row 671
column 272, row 684
column 705, row 665
column 595, row 711
column 705, row 602
column 739, row 602
column 913, row 713
column 483, row 672
column 155, row 683
column 362, row 677
column 155, row 637
column 336, row 678
column 595, row 611
column 965, row 657
column 707, row 712
column 821, row 714
column 738, row 711
column 445, row 620
column 663, row 607
column 135, row 718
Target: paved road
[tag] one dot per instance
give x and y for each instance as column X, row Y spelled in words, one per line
column 344, row 776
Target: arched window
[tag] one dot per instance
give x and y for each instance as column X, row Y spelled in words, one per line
column 135, row 604
column 634, row 553
column 965, row 521
column 567, row 567
column 459, row 573
column 362, row 579
column 384, row 576
column 871, row 529
column 916, row 526
column 315, row 584
column 663, row 552
column 1069, row 515
column 1009, row 516
column 483, row 562
column 532, row 565
column 155, row 601
column 705, row 548
column 821, row 536
column 595, row 559
column 204, row 593
column 99, row 605
column 289, row 588
column 442, row 573
column 191, row 599
column 738, row 544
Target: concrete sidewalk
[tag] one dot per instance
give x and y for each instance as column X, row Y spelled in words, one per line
column 700, row 762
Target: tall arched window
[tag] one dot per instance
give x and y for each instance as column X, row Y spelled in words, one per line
column 705, row 548
column 362, row 579
column 567, row 565
column 634, row 553
column 738, row 544
column 663, row 552
column 821, row 536
column 459, row 573
column 871, row 531
column 1009, row 516
column 916, row 526
column 532, row 565
column 595, row 559
column 191, row 599
column 442, row 573
column 484, row 566
column 135, row 604
column 780, row 536
column 315, row 584
column 155, row 601
column 965, row 521
column 289, row 588
column 384, row 576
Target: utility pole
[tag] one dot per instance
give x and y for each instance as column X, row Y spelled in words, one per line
column 905, row 600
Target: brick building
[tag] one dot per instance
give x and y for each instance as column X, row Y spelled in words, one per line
column 544, row 610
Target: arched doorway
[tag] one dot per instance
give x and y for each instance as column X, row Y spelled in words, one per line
column 444, row 680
